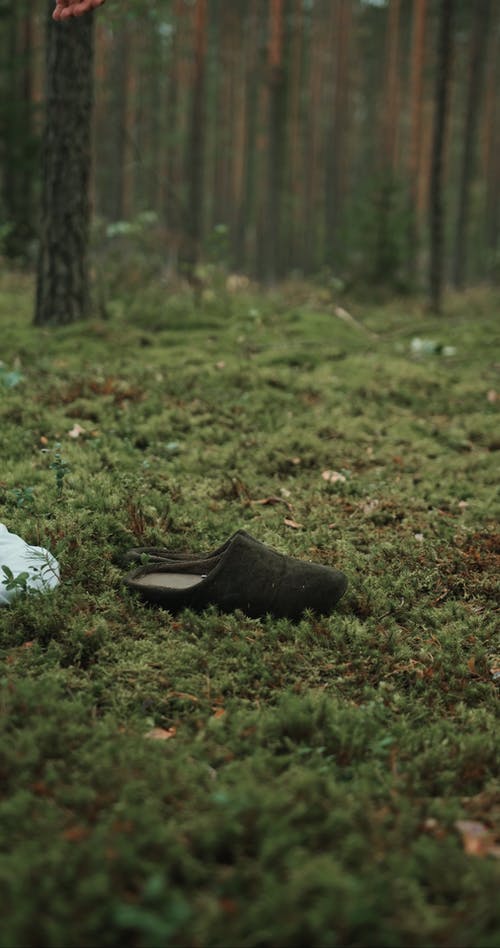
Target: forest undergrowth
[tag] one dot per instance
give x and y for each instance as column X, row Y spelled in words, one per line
column 211, row 780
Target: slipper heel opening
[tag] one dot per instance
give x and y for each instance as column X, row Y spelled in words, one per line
column 170, row 580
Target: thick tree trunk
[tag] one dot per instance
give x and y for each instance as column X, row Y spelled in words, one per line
column 62, row 279
column 482, row 13
column 444, row 61
column 492, row 160
column 19, row 150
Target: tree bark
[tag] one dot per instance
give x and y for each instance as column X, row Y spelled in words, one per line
column 312, row 189
column 62, row 294
column 118, row 146
column 19, row 152
column 337, row 150
column 482, row 15
column 172, row 206
column 249, row 216
column 492, row 160
column 276, row 138
column 196, row 141
column 443, row 75
column 391, row 104
column 295, row 122
column 415, row 154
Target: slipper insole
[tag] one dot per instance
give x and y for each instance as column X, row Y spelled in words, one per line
column 170, row 580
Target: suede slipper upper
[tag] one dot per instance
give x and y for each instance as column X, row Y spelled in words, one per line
column 246, row 575
column 136, row 554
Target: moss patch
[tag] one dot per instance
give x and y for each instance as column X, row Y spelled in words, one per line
column 309, row 787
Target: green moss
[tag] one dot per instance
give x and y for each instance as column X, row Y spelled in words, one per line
column 320, row 807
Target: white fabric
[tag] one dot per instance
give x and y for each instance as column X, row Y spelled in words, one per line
column 19, row 557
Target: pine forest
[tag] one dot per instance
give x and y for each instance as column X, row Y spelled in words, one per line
column 282, row 136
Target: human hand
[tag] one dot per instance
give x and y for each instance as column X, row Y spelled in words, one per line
column 66, row 8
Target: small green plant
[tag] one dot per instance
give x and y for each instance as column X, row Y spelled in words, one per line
column 11, row 582
column 218, row 246
column 24, row 496
column 60, row 468
column 9, row 378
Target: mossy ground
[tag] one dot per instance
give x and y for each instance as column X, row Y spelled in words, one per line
column 309, row 793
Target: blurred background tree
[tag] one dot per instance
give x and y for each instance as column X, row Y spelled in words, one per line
column 18, row 137
column 62, row 293
column 305, row 130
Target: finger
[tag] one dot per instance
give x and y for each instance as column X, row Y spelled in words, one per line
column 68, row 8
column 79, row 7
column 60, row 5
column 75, row 9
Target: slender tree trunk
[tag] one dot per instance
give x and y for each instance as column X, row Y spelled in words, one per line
column 415, row 154
column 492, row 158
column 239, row 125
column 337, row 140
column 249, row 217
column 117, row 155
column 276, row 152
column 221, row 144
column 173, row 208
column 391, row 105
column 482, row 15
column 141, row 144
column 295, row 166
column 443, row 76
column 62, row 279
column 98, row 183
column 20, row 146
column 155, row 98
column 312, row 191
column 241, row 140
column 196, row 141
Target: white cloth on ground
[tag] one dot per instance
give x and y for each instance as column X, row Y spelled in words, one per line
column 19, row 557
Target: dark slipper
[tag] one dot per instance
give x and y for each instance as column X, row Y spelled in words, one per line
column 246, row 575
column 136, row 554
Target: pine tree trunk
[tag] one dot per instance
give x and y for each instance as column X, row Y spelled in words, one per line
column 172, row 207
column 336, row 158
column 19, row 151
column 444, row 62
column 415, row 154
column 276, row 137
column 492, row 160
column 391, row 105
column 249, row 218
column 196, row 142
column 482, row 13
column 154, row 101
column 313, row 128
column 295, row 119
column 62, row 279
column 100, row 162
column 242, row 145
column 117, row 136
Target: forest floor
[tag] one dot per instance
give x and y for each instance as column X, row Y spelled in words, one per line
column 211, row 780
